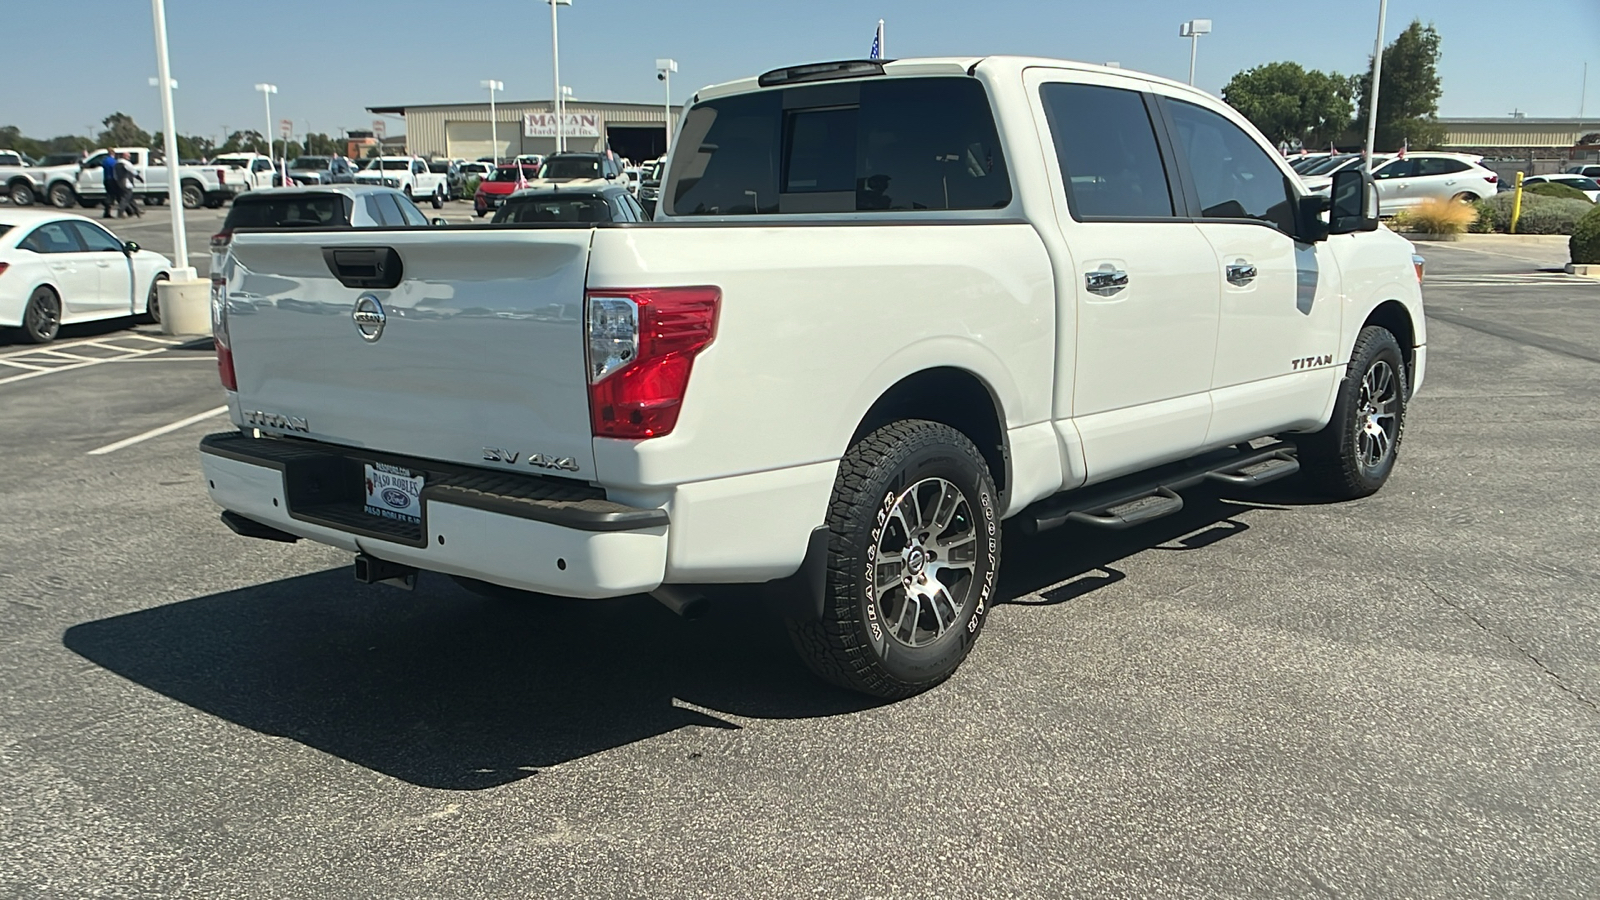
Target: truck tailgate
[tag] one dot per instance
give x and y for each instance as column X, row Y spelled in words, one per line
column 481, row 346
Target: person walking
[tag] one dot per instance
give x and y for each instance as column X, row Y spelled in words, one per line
column 126, row 175
column 108, row 167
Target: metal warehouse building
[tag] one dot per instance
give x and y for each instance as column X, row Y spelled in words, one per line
column 1519, row 136
column 633, row 130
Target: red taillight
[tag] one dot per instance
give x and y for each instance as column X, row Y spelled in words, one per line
column 1491, row 177
column 642, row 345
column 222, row 177
column 4, row 267
column 219, row 332
column 221, row 239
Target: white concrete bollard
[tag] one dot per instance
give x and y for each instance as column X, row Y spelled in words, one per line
column 185, row 306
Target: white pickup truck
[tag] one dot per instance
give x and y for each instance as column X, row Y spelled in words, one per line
column 84, row 185
column 409, row 175
column 884, row 306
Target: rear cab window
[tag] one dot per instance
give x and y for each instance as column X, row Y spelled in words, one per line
column 862, row 145
column 304, row 211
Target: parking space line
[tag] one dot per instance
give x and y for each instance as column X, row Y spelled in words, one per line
column 6, row 362
column 157, row 432
column 67, row 367
column 72, row 356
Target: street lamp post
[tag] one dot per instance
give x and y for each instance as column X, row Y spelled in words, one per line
column 1377, row 70
column 494, row 123
column 1192, row 30
column 555, row 71
column 181, row 272
column 664, row 70
column 267, row 90
column 566, row 91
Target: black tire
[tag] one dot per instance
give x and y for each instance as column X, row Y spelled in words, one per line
column 152, row 303
column 408, row 193
column 1348, row 459
column 864, row 641
column 1466, row 197
column 62, row 196
column 194, row 196
column 438, row 199
column 21, row 194
column 41, row 319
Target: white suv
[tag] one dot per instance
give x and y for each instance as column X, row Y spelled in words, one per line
column 1408, row 180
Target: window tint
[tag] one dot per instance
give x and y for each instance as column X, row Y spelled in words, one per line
column 389, row 213
column 1400, row 168
column 548, row 208
column 891, row 144
column 635, row 208
column 53, row 237
column 1439, row 166
column 253, row 210
column 95, row 238
column 1106, row 148
column 1233, row 176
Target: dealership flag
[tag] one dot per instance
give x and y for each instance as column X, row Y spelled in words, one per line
column 877, row 51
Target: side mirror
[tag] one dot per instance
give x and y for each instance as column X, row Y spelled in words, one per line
column 1354, row 205
column 437, row 222
column 130, row 247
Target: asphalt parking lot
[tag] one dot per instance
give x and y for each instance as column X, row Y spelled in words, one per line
column 1264, row 696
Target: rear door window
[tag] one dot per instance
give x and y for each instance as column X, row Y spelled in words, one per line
column 859, row 146
column 1106, row 147
column 1438, row 166
column 52, row 237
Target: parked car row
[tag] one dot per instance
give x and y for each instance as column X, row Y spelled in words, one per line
column 1405, row 179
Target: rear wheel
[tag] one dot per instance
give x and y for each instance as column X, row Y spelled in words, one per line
column 194, row 196
column 1466, row 197
column 913, row 552
column 21, row 194
column 152, row 302
column 1353, row 456
column 41, row 321
column 438, row 199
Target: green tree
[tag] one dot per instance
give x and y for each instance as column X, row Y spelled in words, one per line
column 122, row 131
column 243, row 141
column 190, row 146
column 322, row 145
column 1408, row 93
column 1289, row 103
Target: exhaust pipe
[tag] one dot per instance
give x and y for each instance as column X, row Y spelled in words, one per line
column 681, row 600
column 371, row 570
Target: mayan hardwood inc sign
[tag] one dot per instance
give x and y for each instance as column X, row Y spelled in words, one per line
column 574, row 125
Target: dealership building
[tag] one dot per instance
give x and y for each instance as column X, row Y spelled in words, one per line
column 637, row 131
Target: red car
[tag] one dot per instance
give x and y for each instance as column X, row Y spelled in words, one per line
column 500, row 184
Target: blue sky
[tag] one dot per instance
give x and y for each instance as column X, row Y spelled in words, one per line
column 331, row 60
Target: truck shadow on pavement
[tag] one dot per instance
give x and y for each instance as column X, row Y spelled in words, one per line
column 443, row 689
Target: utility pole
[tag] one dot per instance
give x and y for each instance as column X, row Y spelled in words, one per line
column 1192, row 30
column 494, row 122
column 180, row 239
column 267, row 90
column 555, row 72
column 664, row 70
column 1372, row 94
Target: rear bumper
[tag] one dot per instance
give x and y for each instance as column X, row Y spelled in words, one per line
column 529, row 533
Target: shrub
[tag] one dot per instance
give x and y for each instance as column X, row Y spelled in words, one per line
column 1486, row 223
column 469, row 188
column 1540, row 214
column 1585, row 242
column 1552, row 189
column 1437, row 217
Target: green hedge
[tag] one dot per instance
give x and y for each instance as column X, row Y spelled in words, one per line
column 1553, row 189
column 1585, row 243
column 1540, row 214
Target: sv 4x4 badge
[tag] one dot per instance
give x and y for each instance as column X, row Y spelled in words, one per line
column 563, row 463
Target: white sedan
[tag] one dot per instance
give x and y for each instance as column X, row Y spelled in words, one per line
column 59, row 269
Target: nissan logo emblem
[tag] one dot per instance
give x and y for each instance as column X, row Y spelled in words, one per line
column 369, row 318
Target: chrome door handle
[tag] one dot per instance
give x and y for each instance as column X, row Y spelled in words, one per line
column 1241, row 274
column 1105, row 282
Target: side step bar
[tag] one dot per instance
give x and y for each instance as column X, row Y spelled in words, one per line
column 1135, row 499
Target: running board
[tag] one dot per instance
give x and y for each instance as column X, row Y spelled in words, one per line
column 1138, row 498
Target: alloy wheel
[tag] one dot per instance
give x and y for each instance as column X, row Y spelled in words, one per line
column 924, row 562
column 1376, row 419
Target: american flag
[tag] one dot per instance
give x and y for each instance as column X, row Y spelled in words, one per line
column 877, row 43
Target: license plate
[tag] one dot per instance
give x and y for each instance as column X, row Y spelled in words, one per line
column 393, row 493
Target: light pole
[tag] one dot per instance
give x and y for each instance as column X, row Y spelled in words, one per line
column 567, row 92
column 664, row 70
column 180, row 239
column 555, row 70
column 494, row 124
column 267, row 90
column 1192, row 30
column 1377, row 71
